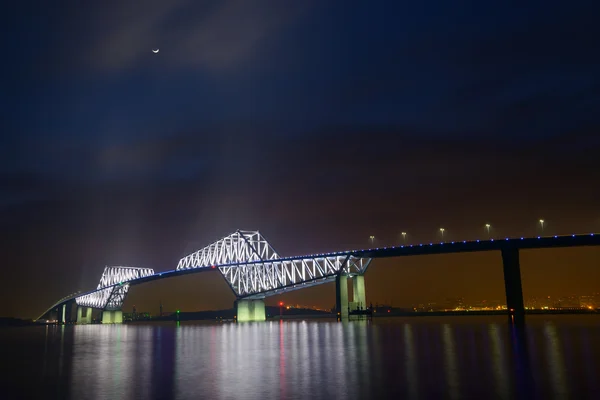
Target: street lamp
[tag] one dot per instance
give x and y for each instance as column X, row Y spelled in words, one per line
column 542, row 224
column 487, row 227
column 404, row 237
column 372, row 239
column 280, row 309
column 442, row 230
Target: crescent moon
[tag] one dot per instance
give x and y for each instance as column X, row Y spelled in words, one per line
column 155, row 51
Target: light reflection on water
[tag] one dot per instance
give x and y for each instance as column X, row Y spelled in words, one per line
column 498, row 359
column 446, row 357
column 452, row 377
column 412, row 375
column 555, row 360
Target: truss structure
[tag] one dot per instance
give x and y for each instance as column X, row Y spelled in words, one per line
column 247, row 261
column 113, row 288
column 264, row 278
column 113, row 275
column 239, row 247
column 252, row 268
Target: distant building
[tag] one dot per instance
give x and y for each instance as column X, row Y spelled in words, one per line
column 455, row 304
column 567, row 302
column 382, row 308
column 143, row 315
column 589, row 301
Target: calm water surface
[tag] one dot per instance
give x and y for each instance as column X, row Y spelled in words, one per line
column 404, row 358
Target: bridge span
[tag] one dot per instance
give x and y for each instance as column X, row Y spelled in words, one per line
column 253, row 271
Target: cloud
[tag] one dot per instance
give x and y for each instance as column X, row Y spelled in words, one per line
column 210, row 35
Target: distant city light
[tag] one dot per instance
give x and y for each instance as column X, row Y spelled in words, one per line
column 115, row 281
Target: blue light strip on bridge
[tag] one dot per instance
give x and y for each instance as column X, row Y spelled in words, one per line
column 539, row 242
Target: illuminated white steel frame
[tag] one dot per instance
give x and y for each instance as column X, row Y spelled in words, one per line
column 269, row 277
column 252, row 268
column 247, row 261
column 240, row 246
column 113, row 288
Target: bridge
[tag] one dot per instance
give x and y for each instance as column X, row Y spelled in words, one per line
column 253, row 271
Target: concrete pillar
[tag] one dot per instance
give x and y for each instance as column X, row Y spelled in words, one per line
column 341, row 296
column 512, row 284
column 84, row 319
column 60, row 313
column 107, row 317
column 63, row 314
column 112, row 317
column 69, row 312
column 117, row 317
column 359, row 295
column 250, row 310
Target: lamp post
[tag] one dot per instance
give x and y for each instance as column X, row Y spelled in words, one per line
column 372, row 239
column 442, row 231
column 542, row 225
column 404, row 237
column 280, row 309
column 487, row 227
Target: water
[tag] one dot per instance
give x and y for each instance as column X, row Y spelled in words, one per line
column 404, row 358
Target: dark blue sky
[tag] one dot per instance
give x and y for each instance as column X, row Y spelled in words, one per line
column 318, row 123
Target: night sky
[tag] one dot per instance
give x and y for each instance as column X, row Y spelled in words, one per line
column 317, row 123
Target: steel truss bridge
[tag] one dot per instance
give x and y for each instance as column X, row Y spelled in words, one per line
column 254, row 270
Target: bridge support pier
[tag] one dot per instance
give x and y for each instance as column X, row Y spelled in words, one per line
column 250, row 310
column 342, row 303
column 64, row 313
column 68, row 316
column 341, row 297
column 112, row 317
column 84, row 315
column 512, row 284
column 358, row 294
column 61, row 314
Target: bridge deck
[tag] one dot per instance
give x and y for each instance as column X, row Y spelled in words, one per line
column 576, row 240
column 540, row 242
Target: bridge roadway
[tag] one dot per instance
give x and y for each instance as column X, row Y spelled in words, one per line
column 508, row 246
column 540, row 242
